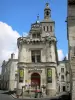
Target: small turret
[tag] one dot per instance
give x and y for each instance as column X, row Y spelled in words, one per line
column 47, row 11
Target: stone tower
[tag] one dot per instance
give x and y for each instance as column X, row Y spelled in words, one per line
column 71, row 43
column 37, row 58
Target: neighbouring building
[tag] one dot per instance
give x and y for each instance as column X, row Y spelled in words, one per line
column 63, row 76
column 9, row 74
column 3, row 83
column 71, row 43
column 68, row 86
column 37, row 58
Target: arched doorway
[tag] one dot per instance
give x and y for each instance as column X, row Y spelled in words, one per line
column 35, row 79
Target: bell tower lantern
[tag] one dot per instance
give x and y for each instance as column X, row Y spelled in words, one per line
column 47, row 11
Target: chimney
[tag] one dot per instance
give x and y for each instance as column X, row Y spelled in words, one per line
column 12, row 56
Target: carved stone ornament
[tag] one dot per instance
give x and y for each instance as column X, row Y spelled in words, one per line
column 35, row 70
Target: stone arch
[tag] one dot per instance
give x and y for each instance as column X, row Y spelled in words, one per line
column 35, row 79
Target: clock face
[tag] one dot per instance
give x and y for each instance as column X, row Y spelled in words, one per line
column 47, row 34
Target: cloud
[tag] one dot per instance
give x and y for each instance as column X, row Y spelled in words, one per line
column 8, row 41
column 60, row 55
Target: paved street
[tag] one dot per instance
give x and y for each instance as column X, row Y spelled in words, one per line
column 5, row 96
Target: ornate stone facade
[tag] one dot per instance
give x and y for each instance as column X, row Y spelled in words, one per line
column 63, row 76
column 38, row 55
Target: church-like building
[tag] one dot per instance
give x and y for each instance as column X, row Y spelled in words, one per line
column 37, row 58
column 37, row 67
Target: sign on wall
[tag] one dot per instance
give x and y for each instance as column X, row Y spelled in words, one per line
column 21, row 75
column 49, row 75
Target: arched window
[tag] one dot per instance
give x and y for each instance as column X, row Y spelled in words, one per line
column 51, row 28
column 44, row 28
column 34, row 35
column 47, row 13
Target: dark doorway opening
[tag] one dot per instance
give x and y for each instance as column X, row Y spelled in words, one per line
column 35, row 79
column 64, row 88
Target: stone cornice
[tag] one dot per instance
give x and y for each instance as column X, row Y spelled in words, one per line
column 27, row 40
column 37, row 65
column 34, row 70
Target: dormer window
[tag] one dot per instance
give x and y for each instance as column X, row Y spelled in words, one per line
column 36, row 35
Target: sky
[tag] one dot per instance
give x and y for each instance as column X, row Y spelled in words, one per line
column 16, row 17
